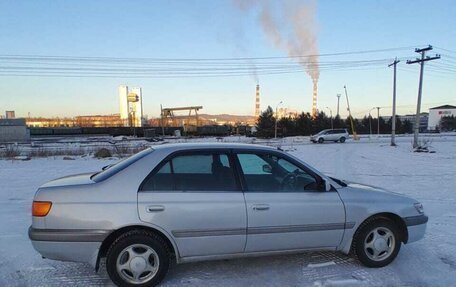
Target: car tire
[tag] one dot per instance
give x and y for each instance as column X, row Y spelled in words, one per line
column 137, row 258
column 377, row 242
column 321, row 140
column 342, row 139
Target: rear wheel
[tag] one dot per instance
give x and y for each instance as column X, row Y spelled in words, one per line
column 377, row 242
column 342, row 139
column 321, row 140
column 137, row 258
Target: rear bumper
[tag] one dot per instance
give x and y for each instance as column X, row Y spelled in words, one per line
column 416, row 227
column 68, row 244
column 86, row 252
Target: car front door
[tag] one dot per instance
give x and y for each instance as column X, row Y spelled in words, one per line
column 196, row 198
column 286, row 207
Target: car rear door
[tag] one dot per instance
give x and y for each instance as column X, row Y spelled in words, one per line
column 195, row 196
column 285, row 208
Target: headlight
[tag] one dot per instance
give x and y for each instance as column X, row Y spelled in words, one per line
column 419, row 207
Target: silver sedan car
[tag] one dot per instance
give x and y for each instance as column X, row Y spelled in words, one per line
column 189, row 202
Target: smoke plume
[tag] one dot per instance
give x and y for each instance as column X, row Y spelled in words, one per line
column 290, row 25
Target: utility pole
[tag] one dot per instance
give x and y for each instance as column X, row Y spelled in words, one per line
column 355, row 137
column 338, row 98
column 423, row 59
column 393, row 119
column 370, row 122
column 162, row 121
column 378, row 120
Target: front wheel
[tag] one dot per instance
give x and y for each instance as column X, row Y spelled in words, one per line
column 137, row 258
column 377, row 243
column 321, row 140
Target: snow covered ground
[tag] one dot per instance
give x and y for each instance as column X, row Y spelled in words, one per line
column 429, row 177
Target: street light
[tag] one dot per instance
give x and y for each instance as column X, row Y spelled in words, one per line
column 331, row 113
column 276, row 119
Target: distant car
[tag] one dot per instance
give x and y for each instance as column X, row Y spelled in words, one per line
column 335, row 135
column 189, row 202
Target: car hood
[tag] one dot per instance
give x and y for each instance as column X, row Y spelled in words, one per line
column 375, row 192
column 77, row 179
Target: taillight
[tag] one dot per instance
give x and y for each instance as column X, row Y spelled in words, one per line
column 41, row 208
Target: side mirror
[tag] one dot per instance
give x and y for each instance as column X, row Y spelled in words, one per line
column 106, row 167
column 327, row 185
column 267, row 168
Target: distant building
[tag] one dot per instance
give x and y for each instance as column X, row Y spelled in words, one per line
column 130, row 103
column 10, row 115
column 49, row 122
column 14, row 130
column 411, row 118
column 286, row 113
column 437, row 113
column 97, row 121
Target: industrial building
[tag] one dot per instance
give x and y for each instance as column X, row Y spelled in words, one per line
column 14, row 130
column 437, row 113
column 10, row 115
column 131, row 109
column 99, row 121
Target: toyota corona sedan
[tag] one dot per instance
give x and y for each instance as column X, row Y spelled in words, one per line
column 189, row 202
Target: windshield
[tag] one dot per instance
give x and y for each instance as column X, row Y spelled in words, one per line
column 322, row 132
column 115, row 168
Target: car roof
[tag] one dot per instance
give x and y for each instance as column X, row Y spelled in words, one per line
column 205, row 145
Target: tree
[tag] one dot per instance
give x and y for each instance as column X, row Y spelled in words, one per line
column 407, row 127
column 266, row 123
column 304, row 124
column 287, row 127
column 338, row 123
column 448, row 123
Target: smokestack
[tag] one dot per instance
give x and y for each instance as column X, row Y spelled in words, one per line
column 257, row 101
column 314, row 99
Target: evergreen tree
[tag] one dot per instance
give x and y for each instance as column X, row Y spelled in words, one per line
column 448, row 123
column 304, row 124
column 338, row 123
column 266, row 123
column 407, row 127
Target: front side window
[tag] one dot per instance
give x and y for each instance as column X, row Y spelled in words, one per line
column 270, row 173
column 193, row 172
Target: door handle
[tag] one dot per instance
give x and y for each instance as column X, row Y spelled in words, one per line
column 155, row 208
column 260, row 206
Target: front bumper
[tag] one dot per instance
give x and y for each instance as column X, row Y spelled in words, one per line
column 416, row 227
column 68, row 244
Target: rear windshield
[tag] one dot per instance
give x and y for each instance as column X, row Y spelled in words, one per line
column 110, row 171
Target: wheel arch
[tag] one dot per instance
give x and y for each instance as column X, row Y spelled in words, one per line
column 118, row 232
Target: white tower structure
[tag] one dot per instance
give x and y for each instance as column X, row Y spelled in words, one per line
column 135, row 105
column 123, row 93
column 131, row 110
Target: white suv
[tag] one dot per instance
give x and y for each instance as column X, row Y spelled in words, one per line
column 336, row 135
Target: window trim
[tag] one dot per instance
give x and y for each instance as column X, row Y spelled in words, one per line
column 283, row 155
column 169, row 157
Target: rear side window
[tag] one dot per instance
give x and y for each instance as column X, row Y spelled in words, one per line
column 202, row 172
column 107, row 173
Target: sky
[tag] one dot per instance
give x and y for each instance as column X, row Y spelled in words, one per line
column 219, row 29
